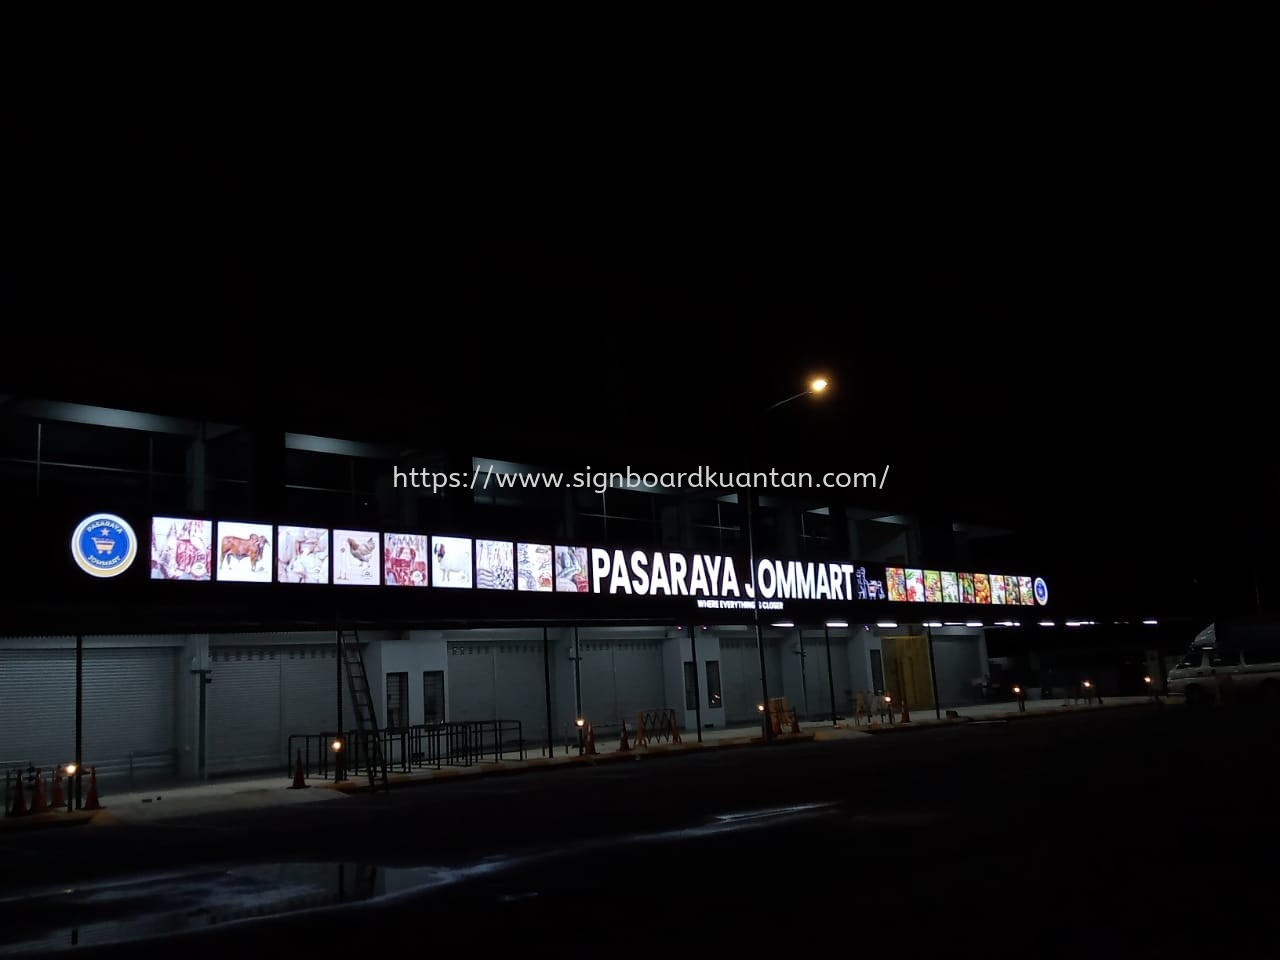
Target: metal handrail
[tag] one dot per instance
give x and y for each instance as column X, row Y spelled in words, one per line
column 405, row 749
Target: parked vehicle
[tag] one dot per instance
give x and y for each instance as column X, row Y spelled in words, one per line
column 1230, row 661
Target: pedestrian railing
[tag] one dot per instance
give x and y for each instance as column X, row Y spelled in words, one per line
column 422, row 746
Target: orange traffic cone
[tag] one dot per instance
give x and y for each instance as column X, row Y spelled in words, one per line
column 299, row 782
column 591, row 740
column 91, row 801
column 19, row 808
column 623, row 747
column 59, row 798
column 37, row 795
column 906, row 713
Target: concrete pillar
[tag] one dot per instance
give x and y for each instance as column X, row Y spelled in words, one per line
column 191, row 733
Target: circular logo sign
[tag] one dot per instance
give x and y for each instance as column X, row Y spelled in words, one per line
column 104, row 545
column 1042, row 591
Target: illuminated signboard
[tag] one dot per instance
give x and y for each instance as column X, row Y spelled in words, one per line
column 404, row 560
column 534, row 569
column 244, row 552
column 356, row 557
column 183, row 548
column 302, row 555
column 451, row 562
column 104, row 545
column 495, row 565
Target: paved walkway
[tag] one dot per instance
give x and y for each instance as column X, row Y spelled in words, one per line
column 190, row 799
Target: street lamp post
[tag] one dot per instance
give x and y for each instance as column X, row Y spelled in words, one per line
column 816, row 385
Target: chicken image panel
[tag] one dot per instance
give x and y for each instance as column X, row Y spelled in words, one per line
column 357, row 557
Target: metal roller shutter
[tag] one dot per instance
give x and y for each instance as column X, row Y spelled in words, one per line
column 637, row 671
column 244, row 711
column 840, row 671
column 310, row 691
column 740, row 679
column 37, row 697
column 472, row 692
column 521, row 690
column 130, row 718
column 599, row 691
column 957, row 663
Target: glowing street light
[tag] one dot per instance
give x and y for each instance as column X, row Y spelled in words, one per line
column 816, row 385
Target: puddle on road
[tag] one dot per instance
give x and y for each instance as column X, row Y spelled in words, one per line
column 155, row 905
column 158, row 905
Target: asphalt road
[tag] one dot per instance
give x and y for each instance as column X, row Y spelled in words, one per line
column 1120, row 831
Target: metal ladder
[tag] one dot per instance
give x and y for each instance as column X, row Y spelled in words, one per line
column 362, row 707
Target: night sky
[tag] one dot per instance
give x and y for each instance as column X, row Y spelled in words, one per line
column 1029, row 266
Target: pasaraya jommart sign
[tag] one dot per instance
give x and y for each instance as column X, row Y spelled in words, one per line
column 714, row 579
column 206, row 550
column 715, row 582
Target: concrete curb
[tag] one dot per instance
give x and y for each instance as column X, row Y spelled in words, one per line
column 51, row 818
column 932, row 724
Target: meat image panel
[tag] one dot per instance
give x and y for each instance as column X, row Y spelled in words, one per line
column 181, row 548
column 302, row 555
column 405, row 560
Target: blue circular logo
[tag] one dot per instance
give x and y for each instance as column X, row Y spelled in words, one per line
column 1042, row 591
column 104, row 545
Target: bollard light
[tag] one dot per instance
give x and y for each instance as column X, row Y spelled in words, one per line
column 1087, row 684
column 336, row 746
column 70, row 770
column 887, row 698
column 580, row 722
column 1146, row 679
column 760, row 707
column 1017, row 689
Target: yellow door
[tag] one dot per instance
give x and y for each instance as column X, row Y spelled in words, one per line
column 906, row 670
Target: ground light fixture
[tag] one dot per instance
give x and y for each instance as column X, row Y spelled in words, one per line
column 70, row 770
